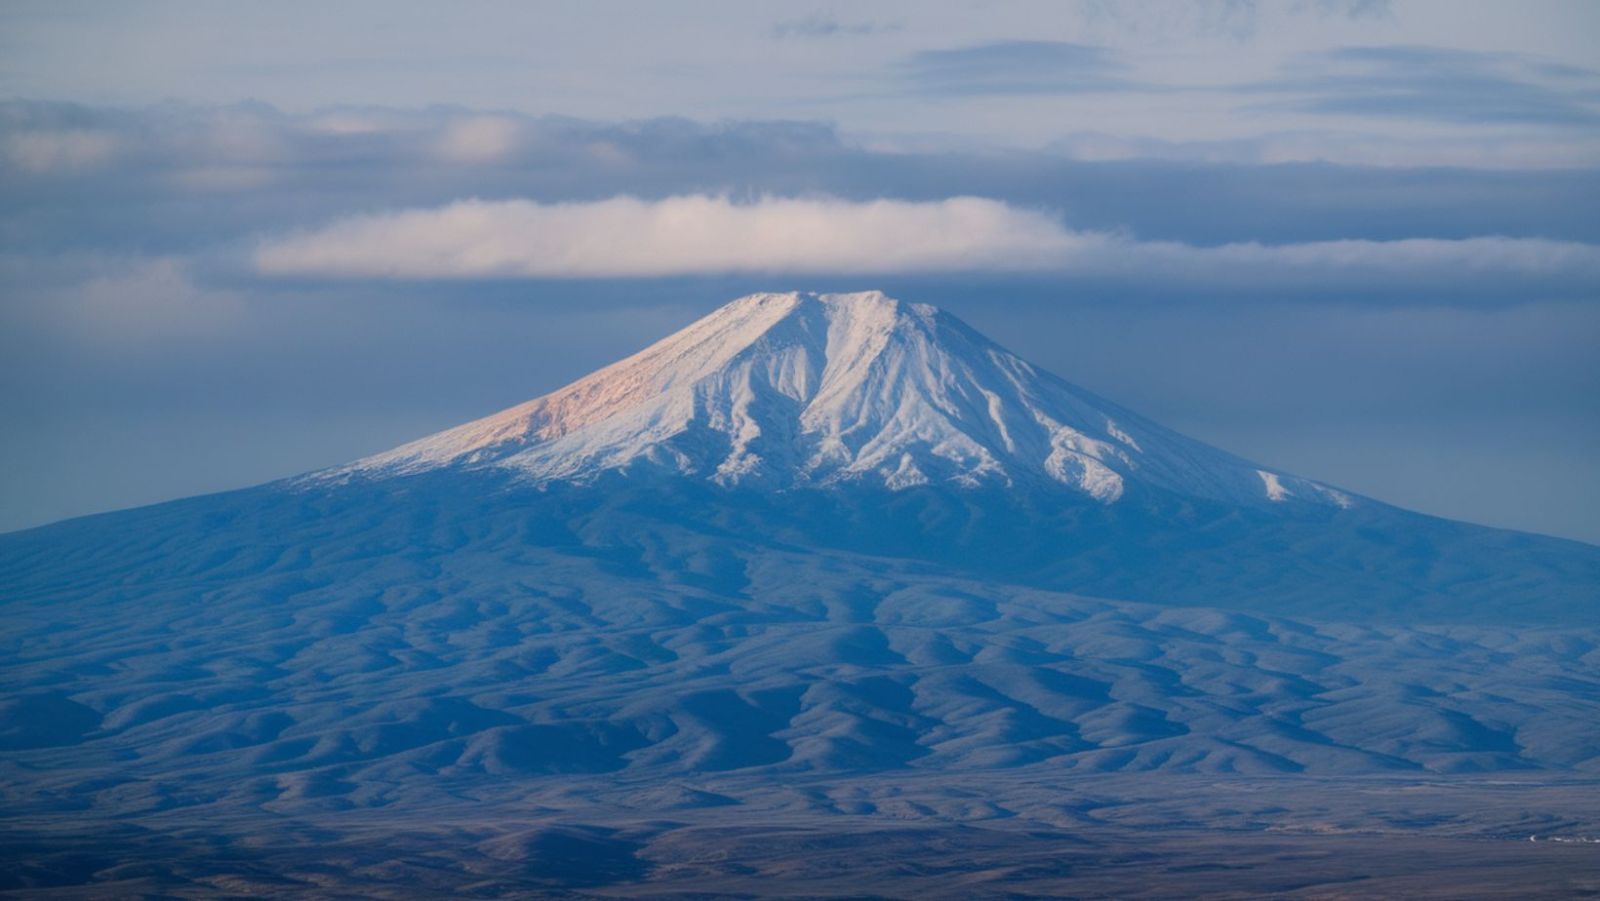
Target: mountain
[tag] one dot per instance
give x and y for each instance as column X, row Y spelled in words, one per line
column 862, row 423
column 813, row 563
column 805, row 390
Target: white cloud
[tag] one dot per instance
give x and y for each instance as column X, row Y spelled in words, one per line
column 698, row 234
column 625, row 236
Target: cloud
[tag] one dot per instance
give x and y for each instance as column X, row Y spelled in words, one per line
column 1364, row 261
column 1015, row 67
column 688, row 234
column 285, row 171
column 1511, row 150
column 1161, row 21
column 699, row 234
column 1237, row 19
column 1414, row 83
column 115, row 300
column 1349, row 9
column 479, row 139
column 152, row 297
column 822, row 25
column 1442, row 85
column 55, row 150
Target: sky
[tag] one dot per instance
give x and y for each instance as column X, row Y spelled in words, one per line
column 1353, row 239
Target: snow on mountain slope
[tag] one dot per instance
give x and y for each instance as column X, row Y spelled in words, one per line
column 793, row 390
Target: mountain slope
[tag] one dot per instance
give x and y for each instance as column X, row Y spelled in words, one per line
column 283, row 651
column 392, row 685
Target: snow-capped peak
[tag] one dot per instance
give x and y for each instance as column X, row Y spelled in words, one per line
column 794, row 390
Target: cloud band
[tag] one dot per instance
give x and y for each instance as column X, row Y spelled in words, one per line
column 625, row 237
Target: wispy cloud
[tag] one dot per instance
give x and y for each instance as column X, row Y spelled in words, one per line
column 116, row 299
column 1237, row 19
column 1442, row 85
column 698, row 234
column 57, row 150
column 1016, row 67
column 1349, row 9
column 823, row 25
column 1393, row 263
column 1416, row 83
column 1512, row 149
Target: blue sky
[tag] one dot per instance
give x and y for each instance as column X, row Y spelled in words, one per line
column 1357, row 240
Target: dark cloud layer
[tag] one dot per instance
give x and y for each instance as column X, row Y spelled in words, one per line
column 174, row 178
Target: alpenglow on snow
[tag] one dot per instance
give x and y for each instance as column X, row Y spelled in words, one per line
column 812, row 390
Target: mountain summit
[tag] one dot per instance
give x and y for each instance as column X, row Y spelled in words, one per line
column 808, row 390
